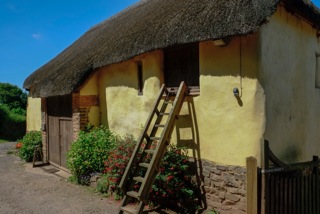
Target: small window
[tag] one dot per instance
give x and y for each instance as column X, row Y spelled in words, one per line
column 140, row 78
column 181, row 63
column 317, row 70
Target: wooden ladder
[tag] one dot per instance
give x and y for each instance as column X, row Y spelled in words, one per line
column 146, row 158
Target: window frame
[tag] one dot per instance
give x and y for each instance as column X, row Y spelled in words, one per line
column 177, row 61
column 140, row 77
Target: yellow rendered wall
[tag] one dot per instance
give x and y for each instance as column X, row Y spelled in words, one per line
column 122, row 109
column 214, row 125
column 91, row 87
column 288, row 63
column 34, row 114
column 229, row 129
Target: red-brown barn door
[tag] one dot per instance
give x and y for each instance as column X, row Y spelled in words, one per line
column 60, row 131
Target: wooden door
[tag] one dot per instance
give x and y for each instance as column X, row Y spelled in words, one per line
column 66, row 137
column 182, row 64
column 60, row 129
column 53, row 140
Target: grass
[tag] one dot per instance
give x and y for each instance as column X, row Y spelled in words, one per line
column 3, row 140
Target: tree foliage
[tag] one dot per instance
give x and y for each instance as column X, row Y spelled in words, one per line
column 13, row 97
column 13, row 102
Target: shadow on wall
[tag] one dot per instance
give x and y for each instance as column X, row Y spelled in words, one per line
column 290, row 154
column 188, row 136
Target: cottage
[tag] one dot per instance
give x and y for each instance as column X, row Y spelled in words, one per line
column 253, row 68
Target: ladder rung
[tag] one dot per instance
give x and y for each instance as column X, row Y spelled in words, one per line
column 160, row 125
column 171, row 111
column 133, row 194
column 150, row 151
column 146, row 165
column 164, row 113
column 129, row 209
column 139, row 179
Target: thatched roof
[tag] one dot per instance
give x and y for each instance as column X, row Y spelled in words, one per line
column 154, row 24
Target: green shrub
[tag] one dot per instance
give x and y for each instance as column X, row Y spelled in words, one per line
column 103, row 184
column 29, row 142
column 88, row 153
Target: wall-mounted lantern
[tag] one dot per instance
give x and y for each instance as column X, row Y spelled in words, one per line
column 236, row 92
column 237, row 95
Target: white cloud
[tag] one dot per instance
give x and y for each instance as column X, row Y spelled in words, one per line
column 36, row 36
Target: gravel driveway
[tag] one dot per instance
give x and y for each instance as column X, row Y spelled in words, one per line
column 24, row 189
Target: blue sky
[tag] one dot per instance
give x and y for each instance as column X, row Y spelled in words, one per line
column 32, row 32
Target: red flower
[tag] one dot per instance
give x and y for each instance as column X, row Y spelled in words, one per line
column 18, row 145
column 170, row 177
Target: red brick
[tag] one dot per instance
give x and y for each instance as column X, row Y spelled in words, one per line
column 88, row 101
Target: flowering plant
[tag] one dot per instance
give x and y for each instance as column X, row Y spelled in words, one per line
column 19, row 145
column 173, row 186
column 116, row 164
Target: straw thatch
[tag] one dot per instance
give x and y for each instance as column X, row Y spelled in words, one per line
column 154, row 24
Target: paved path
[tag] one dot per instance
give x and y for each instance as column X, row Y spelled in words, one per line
column 24, row 189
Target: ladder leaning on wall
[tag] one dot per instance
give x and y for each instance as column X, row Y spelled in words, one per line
column 145, row 161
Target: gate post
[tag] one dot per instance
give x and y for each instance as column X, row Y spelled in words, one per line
column 265, row 180
column 316, row 166
column 252, row 185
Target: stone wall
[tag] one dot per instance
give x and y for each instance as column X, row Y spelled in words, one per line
column 44, row 128
column 76, row 115
column 224, row 187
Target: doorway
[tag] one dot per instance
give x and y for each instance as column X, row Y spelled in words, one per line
column 60, row 128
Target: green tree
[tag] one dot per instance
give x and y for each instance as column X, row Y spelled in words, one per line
column 13, row 102
column 13, row 97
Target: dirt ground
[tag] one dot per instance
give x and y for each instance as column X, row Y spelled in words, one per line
column 24, row 189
